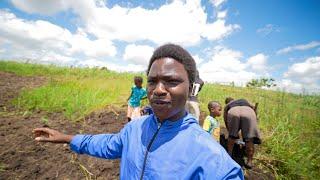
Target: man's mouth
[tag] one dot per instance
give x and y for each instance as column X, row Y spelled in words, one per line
column 160, row 102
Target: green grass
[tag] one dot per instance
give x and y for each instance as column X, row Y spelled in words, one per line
column 75, row 92
column 289, row 123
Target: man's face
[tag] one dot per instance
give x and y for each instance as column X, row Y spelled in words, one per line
column 168, row 88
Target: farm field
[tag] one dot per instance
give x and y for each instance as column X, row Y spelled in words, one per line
column 76, row 100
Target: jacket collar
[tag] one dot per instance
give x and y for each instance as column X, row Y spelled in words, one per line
column 173, row 125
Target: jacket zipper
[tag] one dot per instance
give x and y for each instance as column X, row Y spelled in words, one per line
column 147, row 151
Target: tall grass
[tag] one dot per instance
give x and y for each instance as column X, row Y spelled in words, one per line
column 289, row 123
column 74, row 91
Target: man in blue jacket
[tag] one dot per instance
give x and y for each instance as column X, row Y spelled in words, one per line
column 168, row 144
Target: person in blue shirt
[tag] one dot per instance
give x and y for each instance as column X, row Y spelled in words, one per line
column 168, row 144
column 137, row 94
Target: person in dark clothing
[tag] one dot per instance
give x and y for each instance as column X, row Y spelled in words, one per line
column 240, row 115
column 192, row 104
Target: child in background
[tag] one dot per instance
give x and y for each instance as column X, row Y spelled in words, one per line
column 137, row 94
column 210, row 124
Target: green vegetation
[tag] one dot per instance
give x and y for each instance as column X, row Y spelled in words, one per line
column 75, row 92
column 290, row 123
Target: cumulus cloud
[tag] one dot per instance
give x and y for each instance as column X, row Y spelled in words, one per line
column 138, row 54
column 300, row 47
column 258, row 62
column 302, row 77
column 218, row 30
column 197, row 59
column 222, row 14
column 183, row 22
column 47, row 7
column 296, row 87
column 307, row 72
column 218, row 3
column 226, row 66
column 43, row 40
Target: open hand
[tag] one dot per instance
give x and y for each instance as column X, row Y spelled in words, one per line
column 50, row 135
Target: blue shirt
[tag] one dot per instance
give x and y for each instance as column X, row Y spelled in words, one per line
column 180, row 150
column 136, row 95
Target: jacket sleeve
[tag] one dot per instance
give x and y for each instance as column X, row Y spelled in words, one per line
column 228, row 168
column 108, row 146
column 217, row 165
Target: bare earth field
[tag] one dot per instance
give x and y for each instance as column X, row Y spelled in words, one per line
column 23, row 158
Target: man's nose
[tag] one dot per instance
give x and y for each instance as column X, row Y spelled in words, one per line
column 160, row 89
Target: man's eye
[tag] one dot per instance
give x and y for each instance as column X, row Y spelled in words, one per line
column 173, row 82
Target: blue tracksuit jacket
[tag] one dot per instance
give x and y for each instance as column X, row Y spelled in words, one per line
column 171, row 150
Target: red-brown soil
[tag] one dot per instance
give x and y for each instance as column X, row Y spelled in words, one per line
column 23, row 158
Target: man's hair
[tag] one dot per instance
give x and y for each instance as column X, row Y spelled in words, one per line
column 228, row 99
column 213, row 104
column 138, row 78
column 179, row 54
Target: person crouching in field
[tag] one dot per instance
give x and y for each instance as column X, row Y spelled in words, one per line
column 240, row 115
column 210, row 124
column 137, row 94
column 168, row 144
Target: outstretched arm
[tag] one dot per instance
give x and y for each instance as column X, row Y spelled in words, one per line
column 50, row 135
column 102, row 145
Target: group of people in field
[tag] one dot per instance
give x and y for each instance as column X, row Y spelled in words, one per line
column 168, row 142
column 239, row 116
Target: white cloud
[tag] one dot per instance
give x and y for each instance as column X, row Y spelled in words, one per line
column 225, row 66
column 222, row 14
column 218, row 30
column 302, row 77
column 289, row 85
column 138, row 54
column 47, row 7
column 268, row 29
column 197, row 59
column 300, row 47
column 183, row 22
column 307, row 72
column 258, row 62
column 43, row 40
column 91, row 48
column 217, row 3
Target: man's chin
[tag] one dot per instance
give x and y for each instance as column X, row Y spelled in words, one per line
column 160, row 115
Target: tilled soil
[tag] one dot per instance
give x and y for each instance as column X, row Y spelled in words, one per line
column 23, row 158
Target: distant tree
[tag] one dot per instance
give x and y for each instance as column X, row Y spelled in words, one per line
column 262, row 82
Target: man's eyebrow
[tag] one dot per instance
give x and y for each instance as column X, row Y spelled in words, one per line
column 173, row 76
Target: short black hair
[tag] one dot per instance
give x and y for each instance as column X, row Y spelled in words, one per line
column 228, row 99
column 138, row 78
column 213, row 104
column 175, row 52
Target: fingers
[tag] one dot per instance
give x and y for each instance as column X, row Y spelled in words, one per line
column 47, row 130
column 42, row 134
column 42, row 139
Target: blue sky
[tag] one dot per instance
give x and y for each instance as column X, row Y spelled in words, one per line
column 231, row 40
